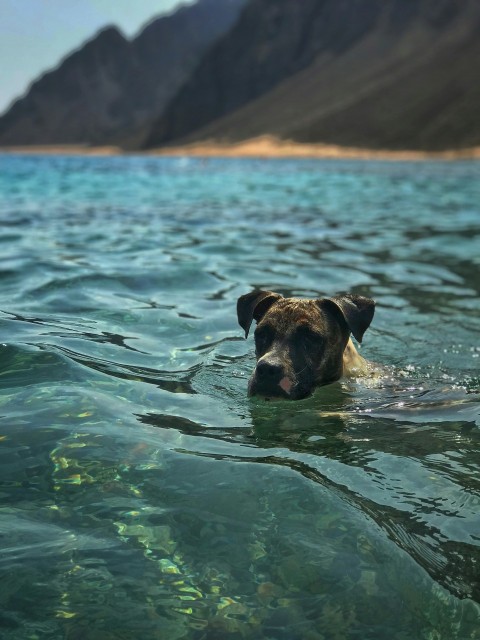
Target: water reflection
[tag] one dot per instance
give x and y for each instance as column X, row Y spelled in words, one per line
column 143, row 495
column 397, row 474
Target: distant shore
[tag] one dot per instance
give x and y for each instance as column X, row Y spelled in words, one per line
column 261, row 147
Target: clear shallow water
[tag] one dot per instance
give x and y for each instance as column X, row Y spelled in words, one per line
column 143, row 495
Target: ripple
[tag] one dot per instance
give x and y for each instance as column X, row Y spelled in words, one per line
column 142, row 488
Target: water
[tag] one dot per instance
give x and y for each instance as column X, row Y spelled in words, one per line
column 143, row 495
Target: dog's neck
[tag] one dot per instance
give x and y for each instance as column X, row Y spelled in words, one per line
column 353, row 363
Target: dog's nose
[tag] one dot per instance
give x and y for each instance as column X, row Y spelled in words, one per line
column 269, row 371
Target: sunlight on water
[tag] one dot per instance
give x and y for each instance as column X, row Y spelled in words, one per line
column 143, row 495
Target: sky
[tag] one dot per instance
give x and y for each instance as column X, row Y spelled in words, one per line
column 36, row 34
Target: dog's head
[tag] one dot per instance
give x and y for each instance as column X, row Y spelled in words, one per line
column 299, row 343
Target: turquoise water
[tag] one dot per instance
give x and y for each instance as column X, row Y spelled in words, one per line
column 143, row 495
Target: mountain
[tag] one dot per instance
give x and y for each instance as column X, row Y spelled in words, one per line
column 112, row 88
column 370, row 73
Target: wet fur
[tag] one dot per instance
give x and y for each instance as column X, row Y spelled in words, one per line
column 303, row 343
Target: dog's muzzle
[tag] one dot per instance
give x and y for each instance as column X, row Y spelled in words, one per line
column 270, row 379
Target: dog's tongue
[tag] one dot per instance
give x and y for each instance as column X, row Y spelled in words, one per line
column 286, row 384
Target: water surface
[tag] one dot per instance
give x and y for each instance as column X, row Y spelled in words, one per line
column 143, row 495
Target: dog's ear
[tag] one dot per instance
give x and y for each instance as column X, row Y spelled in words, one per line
column 253, row 306
column 357, row 312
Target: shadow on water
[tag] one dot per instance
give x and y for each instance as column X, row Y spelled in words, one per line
column 408, row 463
column 452, row 564
column 415, row 433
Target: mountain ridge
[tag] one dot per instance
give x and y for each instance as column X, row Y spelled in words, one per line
column 110, row 88
column 377, row 74
column 403, row 79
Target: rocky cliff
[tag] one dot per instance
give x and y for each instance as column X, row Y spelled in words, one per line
column 371, row 73
column 111, row 88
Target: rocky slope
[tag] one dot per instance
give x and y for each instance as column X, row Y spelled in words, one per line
column 371, row 73
column 111, row 89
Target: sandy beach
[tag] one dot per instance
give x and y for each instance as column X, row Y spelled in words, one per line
column 261, row 147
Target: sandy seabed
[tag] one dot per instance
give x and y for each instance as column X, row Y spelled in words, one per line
column 261, row 147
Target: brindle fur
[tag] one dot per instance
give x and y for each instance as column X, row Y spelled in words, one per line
column 303, row 343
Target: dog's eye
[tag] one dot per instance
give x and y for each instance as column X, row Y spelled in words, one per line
column 263, row 338
column 307, row 336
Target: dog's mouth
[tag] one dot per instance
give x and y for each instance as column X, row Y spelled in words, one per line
column 286, row 388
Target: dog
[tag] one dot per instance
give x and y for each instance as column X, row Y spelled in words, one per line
column 301, row 344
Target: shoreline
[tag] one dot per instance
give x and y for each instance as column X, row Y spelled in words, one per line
column 260, row 147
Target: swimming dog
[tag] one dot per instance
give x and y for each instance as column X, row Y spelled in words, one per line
column 301, row 343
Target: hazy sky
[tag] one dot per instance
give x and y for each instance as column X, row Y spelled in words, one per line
column 36, row 34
